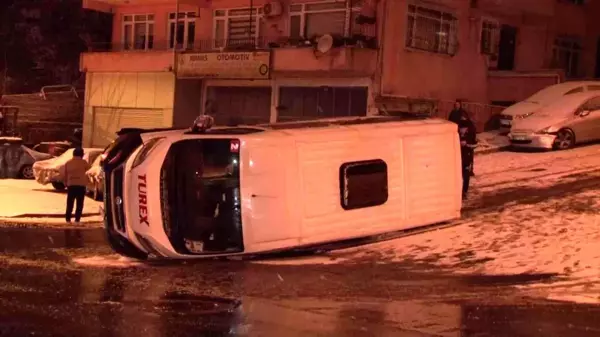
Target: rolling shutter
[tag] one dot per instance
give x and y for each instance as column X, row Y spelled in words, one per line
column 107, row 121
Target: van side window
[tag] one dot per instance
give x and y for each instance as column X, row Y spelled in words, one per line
column 363, row 184
column 574, row 91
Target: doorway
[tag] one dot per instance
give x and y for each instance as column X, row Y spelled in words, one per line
column 507, row 48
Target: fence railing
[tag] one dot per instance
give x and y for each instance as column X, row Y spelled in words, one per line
column 259, row 43
column 485, row 116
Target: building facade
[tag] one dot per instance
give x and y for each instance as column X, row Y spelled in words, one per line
column 258, row 61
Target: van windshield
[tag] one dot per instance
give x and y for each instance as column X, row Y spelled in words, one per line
column 200, row 196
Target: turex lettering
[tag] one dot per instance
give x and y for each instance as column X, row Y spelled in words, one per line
column 143, row 199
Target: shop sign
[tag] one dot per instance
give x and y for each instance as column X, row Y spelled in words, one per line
column 227, row 65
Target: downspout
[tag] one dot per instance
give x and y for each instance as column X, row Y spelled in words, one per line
column 175, row 37
column 174, row 68
column 381, row 34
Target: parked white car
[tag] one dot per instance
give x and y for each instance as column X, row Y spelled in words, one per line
column 542, row 98
column 570, row 120
column 50, row 171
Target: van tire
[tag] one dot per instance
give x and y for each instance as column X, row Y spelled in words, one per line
column 565, row 140
column 123, row 247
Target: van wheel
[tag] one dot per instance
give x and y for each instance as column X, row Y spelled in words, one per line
column 565, row 139
column 58, row 186
column 123, row 247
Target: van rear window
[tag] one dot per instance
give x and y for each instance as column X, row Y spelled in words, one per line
column 363, row 184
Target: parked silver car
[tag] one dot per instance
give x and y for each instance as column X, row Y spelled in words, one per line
column 570, row 120
column 50, row 171
column 17, row 160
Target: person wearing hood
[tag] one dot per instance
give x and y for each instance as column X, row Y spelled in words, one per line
column 456, row 113
column 455, row 117
column 468, row 141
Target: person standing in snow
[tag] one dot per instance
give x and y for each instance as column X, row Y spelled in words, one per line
column 75, row 179
column 456, row 113
column 455, row 117
column 468, row 141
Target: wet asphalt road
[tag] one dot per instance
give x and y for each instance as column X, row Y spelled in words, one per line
column 45, row 290
column 67, row 282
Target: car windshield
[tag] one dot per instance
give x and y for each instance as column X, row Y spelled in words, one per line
column 200, row 195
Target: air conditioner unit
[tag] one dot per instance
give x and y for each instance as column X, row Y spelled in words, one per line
column 272, row 9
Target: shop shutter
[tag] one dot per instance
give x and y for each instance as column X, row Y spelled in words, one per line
column 107, row 121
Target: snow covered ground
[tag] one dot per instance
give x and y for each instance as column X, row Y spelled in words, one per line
column 20, row 198
column 528, row 213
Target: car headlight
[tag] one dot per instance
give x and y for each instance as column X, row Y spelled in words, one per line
column 524, row 115
column 545, row 131
column 146, row 150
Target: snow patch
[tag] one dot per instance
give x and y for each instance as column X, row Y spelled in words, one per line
column 108, row 261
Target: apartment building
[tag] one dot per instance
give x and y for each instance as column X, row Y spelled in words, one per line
column 254, row 61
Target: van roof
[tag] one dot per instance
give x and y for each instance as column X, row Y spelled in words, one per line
column 281, row 126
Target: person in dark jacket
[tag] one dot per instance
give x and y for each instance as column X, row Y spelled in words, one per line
column 456, row 113
column 455, row 117
column 468, row 141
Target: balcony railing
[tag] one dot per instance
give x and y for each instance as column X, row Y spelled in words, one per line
column 261, row 43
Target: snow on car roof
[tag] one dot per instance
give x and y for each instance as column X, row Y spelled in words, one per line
column 557, row 90
column 570, row 102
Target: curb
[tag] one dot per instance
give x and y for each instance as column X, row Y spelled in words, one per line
column 51, row 216
column 493, row 150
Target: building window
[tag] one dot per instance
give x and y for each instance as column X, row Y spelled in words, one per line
column 336, row 18
column 431, row 30
column 363, row 184
column 182, row 30
column 237, row 28
column 575, row 2
column 490, row 37
column 138, row 31
column 306, row 103
column 566, row 55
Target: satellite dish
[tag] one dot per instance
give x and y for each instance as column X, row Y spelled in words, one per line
column 325, row 43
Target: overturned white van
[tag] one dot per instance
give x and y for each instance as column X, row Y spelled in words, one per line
column 253, row 189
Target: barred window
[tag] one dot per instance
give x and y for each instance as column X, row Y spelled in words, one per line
column 235, row 28
column 566, row 55
column 331, row 17
column 431, row 30
column 490, row 37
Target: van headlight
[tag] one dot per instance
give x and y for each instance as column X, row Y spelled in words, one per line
column 146, row 150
